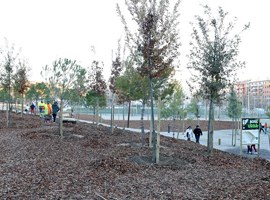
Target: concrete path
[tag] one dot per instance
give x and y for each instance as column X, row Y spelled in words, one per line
column 225, row 137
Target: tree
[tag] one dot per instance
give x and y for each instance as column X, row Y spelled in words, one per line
column 97, row 87
column 213, row 58
column 95, row 100
column 9, row 62
column 37, row 91
column 115, row 72
column 174, row 106
column 234, row 111
column 21, row 82
column 61, row 76
column 76, row 95
column 156, row 41
column 129, row 86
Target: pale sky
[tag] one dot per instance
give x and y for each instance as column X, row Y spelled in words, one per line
column 48, row 29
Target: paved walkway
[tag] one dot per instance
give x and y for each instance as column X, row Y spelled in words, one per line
column 225, row 137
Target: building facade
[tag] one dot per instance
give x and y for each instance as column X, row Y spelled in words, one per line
column 253, row 95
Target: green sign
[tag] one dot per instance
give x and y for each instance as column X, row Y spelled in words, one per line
column 250, row 123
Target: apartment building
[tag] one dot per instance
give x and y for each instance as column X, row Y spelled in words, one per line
column 254, row 94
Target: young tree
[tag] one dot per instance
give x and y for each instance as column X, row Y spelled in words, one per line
column 9, row 62
column 61, row 76
column 156, row 41
column 21, row 82
column 129, row 86
column 173, row 107
column 76, row 95
column 115, row 72
column 97, row 86
column 234, row 111
column 213, row 57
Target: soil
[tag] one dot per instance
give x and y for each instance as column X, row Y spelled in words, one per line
column 90, row 162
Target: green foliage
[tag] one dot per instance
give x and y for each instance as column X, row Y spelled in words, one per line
column 3, row 95
column 131, row 86
column 61, row 76
column 37, row 91
column 193, row 107
column 94, row 99
column 174, row 106
column 213, row 56
column 234, row 105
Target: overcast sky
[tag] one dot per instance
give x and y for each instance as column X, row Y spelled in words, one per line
column 49, row 29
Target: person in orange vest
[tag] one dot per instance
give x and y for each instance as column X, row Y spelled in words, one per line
column 48, row 112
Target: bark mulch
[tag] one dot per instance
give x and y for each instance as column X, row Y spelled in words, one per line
column 90, row 162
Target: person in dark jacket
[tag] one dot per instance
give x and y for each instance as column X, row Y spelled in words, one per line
column 197, row 132
column 55, row 109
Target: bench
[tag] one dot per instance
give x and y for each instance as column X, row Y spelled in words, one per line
column 249, row 138
column 69, row 120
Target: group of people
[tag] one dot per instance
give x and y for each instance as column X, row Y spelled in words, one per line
column 197, row 132
column 47, row 110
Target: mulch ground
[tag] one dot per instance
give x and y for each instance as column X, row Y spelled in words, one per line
column 90, row 162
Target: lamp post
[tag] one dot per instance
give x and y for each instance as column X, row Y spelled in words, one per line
column 248, row 106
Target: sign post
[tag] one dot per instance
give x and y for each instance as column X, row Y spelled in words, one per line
column 250, row 124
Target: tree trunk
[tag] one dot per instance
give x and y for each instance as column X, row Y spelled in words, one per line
column 97, row 111
column 205, row 109
column 61, row 118
column 142, row 122
column 232, row 131
column 123, row 112
column 153, row 121
column 112, row 114
column 94, row 114
column 129, row 104
column 158, row 131
column 210, row 128
column 22, row 105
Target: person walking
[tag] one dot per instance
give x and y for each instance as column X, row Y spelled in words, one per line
column 261, row 128
column 55, row 109
column 197, row 132
column 189, row 133
column 32, row 108
column 48, row 112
